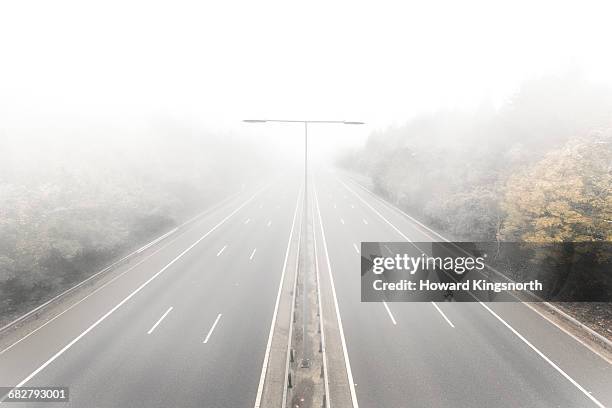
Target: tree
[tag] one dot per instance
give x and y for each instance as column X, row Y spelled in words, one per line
column 564, row 197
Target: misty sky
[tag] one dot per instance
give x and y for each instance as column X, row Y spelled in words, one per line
column 214, row 63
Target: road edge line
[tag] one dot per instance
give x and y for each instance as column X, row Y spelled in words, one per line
column 347, row 363
column 114, row 264
column 594, row 336
column 544, row 357
column 327, row 401
column 264, row 368
column 290, row 332
column 128, row 297
column 515, row 332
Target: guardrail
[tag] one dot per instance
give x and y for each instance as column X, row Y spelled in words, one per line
column 35, row 312
column 322, row 347
column 592, row 334
column 290, row 358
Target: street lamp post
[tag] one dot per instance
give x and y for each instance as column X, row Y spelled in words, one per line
column 306, row 354
column 305, row 122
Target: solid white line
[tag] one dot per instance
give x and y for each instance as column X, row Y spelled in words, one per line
column 443, row 315
column 549, row 361
column 376, row 212
column 86, row 297
column 389, row 312
column 159, row 321
column 264, row 367
column 212, row 328
column 399, row 232
column 269, row 223
column 564, row 330
column 40, row 307
column 520, row 336
column 347, row 363
column 290, row 334
column 221, row 251
column 356, row 248
column 253, row 253
column 209, row 210
column 247, row 221
column 390, row 206
column 404, row 214
column 388, row 250
column 447, row 240
column 128, row 297
column 150, row 244
column 341, row 220
column 365, row 221
column 327, row 402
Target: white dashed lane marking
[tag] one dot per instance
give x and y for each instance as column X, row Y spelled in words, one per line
column 160, row 320
column 210, row 332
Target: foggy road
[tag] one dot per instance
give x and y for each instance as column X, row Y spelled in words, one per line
column 445, row 354
column 186, row 190
column 188, row 322
column 205, row 351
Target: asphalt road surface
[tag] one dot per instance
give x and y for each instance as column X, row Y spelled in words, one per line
column 444, row 354
column 186, row 324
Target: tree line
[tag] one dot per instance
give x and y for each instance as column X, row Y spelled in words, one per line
column 536, row 169
column 74, row 200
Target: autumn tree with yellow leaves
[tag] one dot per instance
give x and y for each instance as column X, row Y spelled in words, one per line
column 565, row 197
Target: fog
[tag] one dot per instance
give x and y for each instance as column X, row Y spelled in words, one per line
column 215, row 63
column 128, row 64
column 536, row 169
column 75, row 197
column 120, row 119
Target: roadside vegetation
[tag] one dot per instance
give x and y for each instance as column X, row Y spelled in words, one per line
column 536, row 169
column 74, row 200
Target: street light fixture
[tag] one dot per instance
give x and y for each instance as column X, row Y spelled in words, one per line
column 305, row 122
column 306, row 354
column 344, row 122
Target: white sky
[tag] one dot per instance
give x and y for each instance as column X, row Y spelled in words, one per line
column 216, row 63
